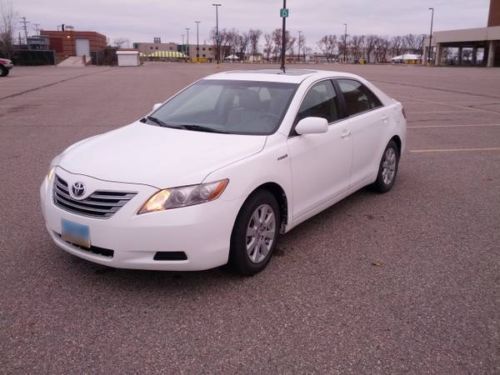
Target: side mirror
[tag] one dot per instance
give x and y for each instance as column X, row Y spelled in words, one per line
column 156, row 106
column 312, row 125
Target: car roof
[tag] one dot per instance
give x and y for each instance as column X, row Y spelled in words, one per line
column 276, row 75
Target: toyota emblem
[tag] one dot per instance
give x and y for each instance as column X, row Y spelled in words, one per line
column 78, row 189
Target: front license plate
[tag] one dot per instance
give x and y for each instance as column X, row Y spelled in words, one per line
column 75, row 233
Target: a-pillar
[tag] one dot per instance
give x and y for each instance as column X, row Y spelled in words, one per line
column 460, row 55
column 437, row 56
column 491, row 54
column 474, row 56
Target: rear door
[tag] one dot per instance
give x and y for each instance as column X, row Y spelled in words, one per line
column 366, row 118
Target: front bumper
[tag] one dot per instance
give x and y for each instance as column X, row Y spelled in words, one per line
column 202, row 232
column 8, row 66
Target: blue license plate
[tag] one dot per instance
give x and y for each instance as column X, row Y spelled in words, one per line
column 75, row 233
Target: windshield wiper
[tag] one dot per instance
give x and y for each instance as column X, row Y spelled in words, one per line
column 157, row 121
column 202, row 128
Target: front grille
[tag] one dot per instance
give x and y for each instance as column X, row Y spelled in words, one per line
column 100, row 203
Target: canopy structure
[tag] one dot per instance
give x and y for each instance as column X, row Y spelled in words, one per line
column 165, row 55
column 406, row 57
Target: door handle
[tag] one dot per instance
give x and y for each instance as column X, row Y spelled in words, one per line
column 345, row 133
column 385, row 118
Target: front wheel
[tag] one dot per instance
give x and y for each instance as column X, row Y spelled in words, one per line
column 388, row 169
column 255, row 233
column 3, row 71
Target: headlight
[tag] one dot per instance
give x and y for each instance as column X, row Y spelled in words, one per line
column 184, row 196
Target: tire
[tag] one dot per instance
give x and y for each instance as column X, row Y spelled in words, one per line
column 3, row 71
column 258, row 223
column 388, row 169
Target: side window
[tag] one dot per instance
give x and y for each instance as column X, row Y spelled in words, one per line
column 358, row 98
column 320, row 101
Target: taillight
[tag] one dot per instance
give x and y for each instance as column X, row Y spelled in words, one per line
column 404, row 112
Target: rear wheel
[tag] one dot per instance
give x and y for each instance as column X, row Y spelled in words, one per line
column 388, row 169
column 255, row 233
column 3, row 71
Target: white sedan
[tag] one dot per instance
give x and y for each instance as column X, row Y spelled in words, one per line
column 215, row 174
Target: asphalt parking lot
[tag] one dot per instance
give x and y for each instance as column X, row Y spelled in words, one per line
column 406, row 282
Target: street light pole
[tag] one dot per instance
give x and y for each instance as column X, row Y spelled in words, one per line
column 187, row 42
column 197, row 41
column 217, row 37
column 345, row 43
column 429, row 52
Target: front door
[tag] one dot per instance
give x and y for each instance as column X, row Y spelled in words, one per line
column 321, row 163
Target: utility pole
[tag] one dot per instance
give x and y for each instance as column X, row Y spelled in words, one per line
column 25, row 28
column 429, row 52
column 345, row 43
column 197, row 41
column 284, row 15
column 217, row 36
column 187, row 41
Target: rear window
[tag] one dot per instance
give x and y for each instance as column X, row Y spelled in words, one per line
column 358, row 98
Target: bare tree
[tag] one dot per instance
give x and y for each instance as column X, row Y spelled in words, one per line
column 381, row 49
column 301, row 44
column 277, row 43
column 343, row 47
column 243, row 44
column 226, row 40
column 370, row 44
column 421, row 42
column 396, row 46
column 7, row 22
column 413, row 43
column 254, row 37
column 290, row 44
column 121, row 43
column 327, row 46
column 357, row 46
column 268, row 46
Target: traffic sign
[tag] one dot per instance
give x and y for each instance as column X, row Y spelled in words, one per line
column 284, row 12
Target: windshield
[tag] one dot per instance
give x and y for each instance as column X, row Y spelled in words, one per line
column 234, row 107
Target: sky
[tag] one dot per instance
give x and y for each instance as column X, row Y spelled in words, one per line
column 141, row 20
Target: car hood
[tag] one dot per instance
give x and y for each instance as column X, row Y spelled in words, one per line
column 156, row 156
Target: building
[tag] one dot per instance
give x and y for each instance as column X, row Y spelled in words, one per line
column 479, row 46
column 206, row 52
column 38, row 42
column 148, row 48
column 67, row 43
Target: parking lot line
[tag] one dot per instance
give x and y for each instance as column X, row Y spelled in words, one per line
column 453, row 126
column 455, row 150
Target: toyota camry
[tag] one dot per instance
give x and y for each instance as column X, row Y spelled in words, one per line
column 218, row 171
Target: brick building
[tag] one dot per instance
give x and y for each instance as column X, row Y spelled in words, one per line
column 74, row 43
column 494, row 15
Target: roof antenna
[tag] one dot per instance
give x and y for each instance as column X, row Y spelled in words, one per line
column 284, row 15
